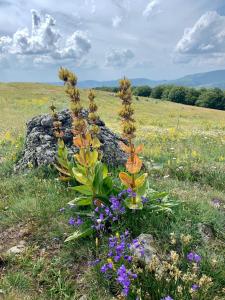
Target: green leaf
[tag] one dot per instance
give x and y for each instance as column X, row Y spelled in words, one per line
column 83, row 189
column 89, row 214
column 143, row 190
column 132, row 206
column 78, row 234
column 93, row 157
column 138, row 205
column 107, row 185
column 98, row 177
column 81, row 201
column 104, row 171
column 80, row 177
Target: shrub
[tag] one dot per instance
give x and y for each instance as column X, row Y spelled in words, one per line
column 177, row 94
column 157, row 92
column 142, row 91
column 213, row 98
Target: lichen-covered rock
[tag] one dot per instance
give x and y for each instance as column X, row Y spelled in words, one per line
column 41, row 145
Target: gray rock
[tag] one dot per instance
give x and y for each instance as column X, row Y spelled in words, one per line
column 206, row 232
column 148, row 246
column 17, row 249
column 41, row 145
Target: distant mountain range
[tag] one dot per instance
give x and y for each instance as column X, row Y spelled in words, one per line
column 208, row 79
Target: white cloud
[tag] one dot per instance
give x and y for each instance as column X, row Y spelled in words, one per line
column 76, row 46
column 44, row 43
column 152, row 9
column 118, row 58
column 116, row 21
column 205, row 39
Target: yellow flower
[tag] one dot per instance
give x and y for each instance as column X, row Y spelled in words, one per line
column 205, row 281
column 154, row 263
column 174, row 256
column 186, row 239
column 214, row 262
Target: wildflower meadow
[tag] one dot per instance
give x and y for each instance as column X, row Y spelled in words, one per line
column 152, row 229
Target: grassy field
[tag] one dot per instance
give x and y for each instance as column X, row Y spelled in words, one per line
column 185, row 152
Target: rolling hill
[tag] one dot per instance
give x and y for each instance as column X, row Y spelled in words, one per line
column 208, row 79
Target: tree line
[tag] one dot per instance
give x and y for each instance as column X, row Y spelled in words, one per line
column 203, row 97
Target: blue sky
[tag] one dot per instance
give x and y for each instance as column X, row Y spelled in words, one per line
column 106, row 39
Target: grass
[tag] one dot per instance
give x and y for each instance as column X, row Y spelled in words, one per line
column 184, row 151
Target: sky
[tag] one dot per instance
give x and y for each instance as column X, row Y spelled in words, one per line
column 107, row 39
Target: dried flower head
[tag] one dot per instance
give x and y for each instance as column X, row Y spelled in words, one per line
column 57, row 125
column 79, row 124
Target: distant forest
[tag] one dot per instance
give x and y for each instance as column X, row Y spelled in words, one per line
column 204, row 97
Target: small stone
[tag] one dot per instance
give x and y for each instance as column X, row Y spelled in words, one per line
column 17, row 249
column 148, row 245
column 216, row 203
column 206, row 232
column 84, row 297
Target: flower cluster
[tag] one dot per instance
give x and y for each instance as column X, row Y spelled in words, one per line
column 127, row 111
column 119, row 260
column 93, row 116
column 75, row 222
column 57, row 124
column 70, row 80
column 194, row 257
column 124, row 277
column 105, row 215
column 188, row 280
column 129, row 193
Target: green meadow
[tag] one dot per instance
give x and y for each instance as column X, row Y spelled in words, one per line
column 185, row 156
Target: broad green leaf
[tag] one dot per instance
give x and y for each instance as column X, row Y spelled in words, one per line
column 61, row 170
column 89, row 214
column 83, row 189
column 93, row 157
column 81, row 201
column 97, row 182
column 107, row 185
column 79, row 234
column 104, row 171
column 133, row 206
column 62, row 162
column 80, row 177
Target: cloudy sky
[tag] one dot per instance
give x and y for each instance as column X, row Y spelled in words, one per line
column 106, row 39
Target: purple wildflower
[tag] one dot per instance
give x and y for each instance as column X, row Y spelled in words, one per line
column 167, row 298
column 192, row 256
column 195, row 287
column 144, row 199
column 124, row 278
column 76, row 222
column 116, row 206
column 79, row 221
column 71, row 221
column 106, row 267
